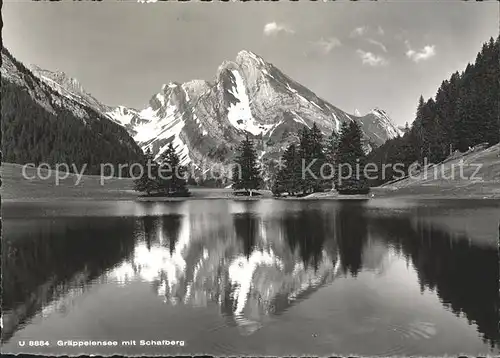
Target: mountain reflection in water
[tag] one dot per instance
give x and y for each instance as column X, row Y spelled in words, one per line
column 252, row 260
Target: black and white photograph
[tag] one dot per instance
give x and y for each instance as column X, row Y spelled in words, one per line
column 259, row 178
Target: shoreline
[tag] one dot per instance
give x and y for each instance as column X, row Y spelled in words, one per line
column 16, row 189
column 311, row 197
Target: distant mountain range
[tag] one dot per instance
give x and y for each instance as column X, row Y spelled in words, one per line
column 206, row 120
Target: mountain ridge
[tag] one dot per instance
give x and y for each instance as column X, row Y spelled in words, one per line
column 39, row 125
column 206, row 119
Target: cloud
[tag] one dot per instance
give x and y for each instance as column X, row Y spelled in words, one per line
column 363, row 30
column 327, row 45
column 377, row 43
column 274, row 28
column 425, row 53
column 359, row 31
column 371, row 59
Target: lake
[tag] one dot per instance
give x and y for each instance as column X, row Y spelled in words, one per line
column 266, row 277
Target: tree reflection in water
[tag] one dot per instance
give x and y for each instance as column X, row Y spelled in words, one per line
column 253, row 265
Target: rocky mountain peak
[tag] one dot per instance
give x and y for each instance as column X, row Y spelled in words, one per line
column 195, row 88
column 249, row 57
column 224, row 68
column 381, row 124
column 206, row 120
column 59, row 79
column 379, row 112
column 166, row 86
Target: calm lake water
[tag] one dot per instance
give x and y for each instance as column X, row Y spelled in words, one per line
column 267, row 277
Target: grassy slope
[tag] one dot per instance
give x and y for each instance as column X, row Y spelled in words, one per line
column 486, row 186
column 16, row 187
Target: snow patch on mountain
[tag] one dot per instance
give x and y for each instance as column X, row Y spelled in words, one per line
column 239, row 114
column 299, row 119
column 291, row 89
column 156, row 128
column 186, row 93
column 302, row 98
column 266, row 72
column 337, row 122
column 271, row 130
column 314, row 104
column 160, row 97
column 180, row 147
column 149, row 129
column 56, row 86
column 122, row 115
column 295, row 92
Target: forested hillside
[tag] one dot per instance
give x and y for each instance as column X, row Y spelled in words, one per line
column 464, row 113
column 41, row 126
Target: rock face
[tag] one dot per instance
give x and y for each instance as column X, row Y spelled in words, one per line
column 69, row 88
column 206, row 120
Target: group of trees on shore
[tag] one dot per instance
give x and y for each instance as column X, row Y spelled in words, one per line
column 304, row 168
column 167, row 177
column 463, row 114
column 315, row 164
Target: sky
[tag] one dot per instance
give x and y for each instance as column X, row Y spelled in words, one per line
column 356, row 55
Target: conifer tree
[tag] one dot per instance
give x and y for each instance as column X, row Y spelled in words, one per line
column 278, row 183
column 312, row 158
column 147, row 182
column 304, row 155
column 172, row 175
column 292, row 171
column 246, row 171
column 351, row 161
column 331, row 148
column 419, row 129
column 289, row 177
